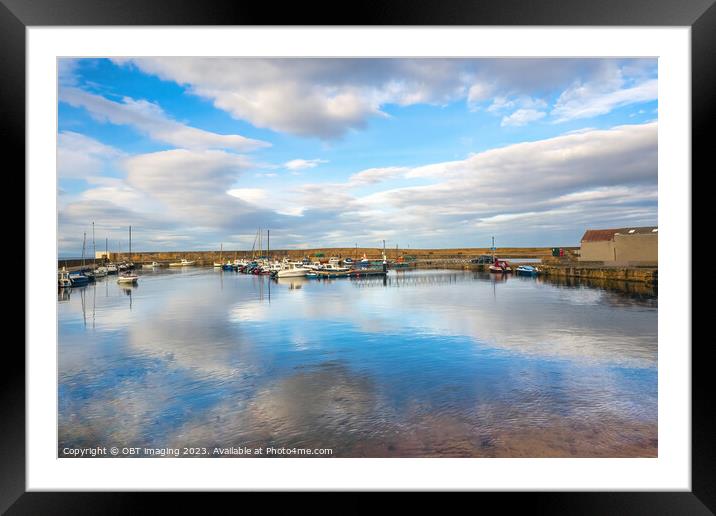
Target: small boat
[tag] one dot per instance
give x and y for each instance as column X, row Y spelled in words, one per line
column 333, row 267
column 333, row 274
column 348, row 261
column 182, row 263
column 153, row 265
column 399, row 264
column 501, row 267
column 312, row 274
column 527, row 270
column 111, row 268
column 219, row 265
column 127, row 277
column 125, row 266
column 292, row 270
column 63, row 279
column 100, row 272
column 78, row 279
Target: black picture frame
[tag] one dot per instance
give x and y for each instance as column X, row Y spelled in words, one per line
column 17, row 15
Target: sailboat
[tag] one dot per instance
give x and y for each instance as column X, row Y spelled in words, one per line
column 99, row 272
column 221, row 257
column 63, row 278
column 111, row 267
column 130, row 263
column 88, row 275
column 127, row 276
column 499, row 266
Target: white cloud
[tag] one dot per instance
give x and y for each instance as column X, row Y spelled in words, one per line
column 583, row 100
column 522, row 117
column 594, row 178
column 79, row 156
column 328, row 97
column 149, row 119
column 300, row 164
column 251, row 195
column 478, row 92
column 376, row 175
column 191, row 185
column 521, row 192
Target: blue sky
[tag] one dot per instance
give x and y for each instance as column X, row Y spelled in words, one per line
column 196, row 152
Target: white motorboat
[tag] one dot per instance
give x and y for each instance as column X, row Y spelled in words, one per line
column 182, row 263
column 111, row 268
column 292, row 270
column 315, row 266
column 100, row 272
column 332, row 267
column 63, row 278
column 127, row 277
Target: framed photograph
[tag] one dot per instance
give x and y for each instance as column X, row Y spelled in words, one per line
column 425, row 249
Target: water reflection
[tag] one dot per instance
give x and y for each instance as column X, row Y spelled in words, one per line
column 432, row 363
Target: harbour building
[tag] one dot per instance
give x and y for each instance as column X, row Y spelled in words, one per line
column 621, row 246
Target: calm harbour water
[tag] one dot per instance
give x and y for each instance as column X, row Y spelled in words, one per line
column 426, row 363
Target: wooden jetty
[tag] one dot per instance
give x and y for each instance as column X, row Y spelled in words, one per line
column 353, row 273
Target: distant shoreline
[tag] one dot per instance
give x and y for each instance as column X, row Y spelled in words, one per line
column 344, row 252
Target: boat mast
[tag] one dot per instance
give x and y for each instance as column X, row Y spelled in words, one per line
column 130, row 244
column 268, row 244
column 94, row 247
column 106, row 249
column 84, row 238
column 493, row 249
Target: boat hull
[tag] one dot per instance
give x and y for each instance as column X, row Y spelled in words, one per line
column 79, row 281
column 291, row 273
column 181, row 264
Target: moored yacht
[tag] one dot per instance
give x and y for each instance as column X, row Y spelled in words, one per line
column 292, row 270
column 182, row 263
column 63, row 278
column 78, row 279
column 333, row 267
column 127, row 277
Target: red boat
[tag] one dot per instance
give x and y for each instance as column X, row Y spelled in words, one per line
column 500, row 266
